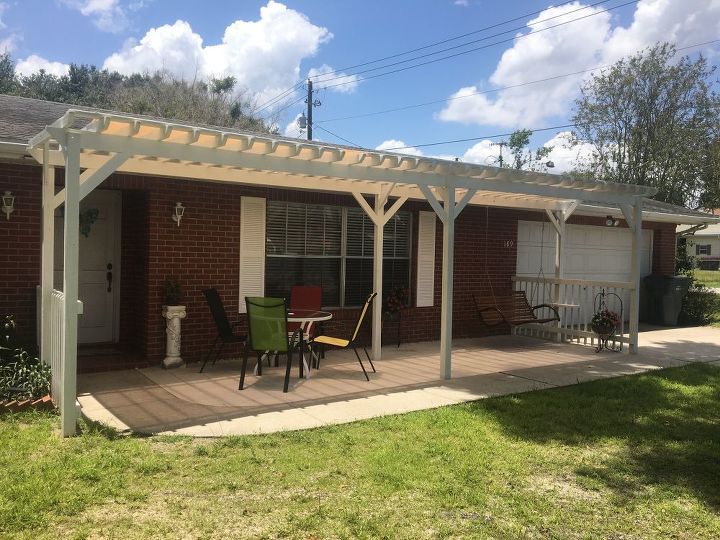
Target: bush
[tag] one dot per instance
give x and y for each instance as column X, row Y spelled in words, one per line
column 699, row 306
column 22, row 375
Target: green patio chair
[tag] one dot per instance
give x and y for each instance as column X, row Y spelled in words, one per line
column 342, row 343
column 268, row 333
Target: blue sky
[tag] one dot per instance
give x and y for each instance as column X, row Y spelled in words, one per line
column 270, row 46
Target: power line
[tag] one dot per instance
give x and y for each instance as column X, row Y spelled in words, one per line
column 278, row 97
column 430, row 45
column 477, row 138
column 298, row 100
column 337, row 136
column 481, row 47
column 527, row 83
column 511, row 30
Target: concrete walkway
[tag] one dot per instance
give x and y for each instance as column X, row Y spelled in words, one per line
column 162, row 402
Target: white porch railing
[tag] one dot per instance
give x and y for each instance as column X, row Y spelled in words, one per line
column 575, row 301
column 57, row 338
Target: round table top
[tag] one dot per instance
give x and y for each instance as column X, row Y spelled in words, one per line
column 309, row 315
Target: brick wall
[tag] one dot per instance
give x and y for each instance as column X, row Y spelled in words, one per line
column 204, row 252
column 20, row 239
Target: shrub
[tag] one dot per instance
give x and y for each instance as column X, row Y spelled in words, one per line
column 699, row 306
column 22, row 375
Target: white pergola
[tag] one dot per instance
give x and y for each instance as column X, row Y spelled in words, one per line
column 93, row 145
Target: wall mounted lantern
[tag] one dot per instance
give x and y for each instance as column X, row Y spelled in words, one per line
column 612, row 222
column 8, row 203
column 178, row 213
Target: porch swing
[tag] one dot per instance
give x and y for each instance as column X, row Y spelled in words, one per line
column 512, row 309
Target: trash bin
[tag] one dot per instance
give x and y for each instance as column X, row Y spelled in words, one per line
column 663, row 298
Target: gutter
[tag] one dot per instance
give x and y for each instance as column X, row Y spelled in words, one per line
column 661, row 217
column 13, row 150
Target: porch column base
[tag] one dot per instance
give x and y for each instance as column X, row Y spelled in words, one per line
column 173, row 314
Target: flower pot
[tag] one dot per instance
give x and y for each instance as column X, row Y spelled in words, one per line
column 603, row 330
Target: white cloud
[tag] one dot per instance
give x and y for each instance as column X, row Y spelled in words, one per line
column 577, row 46
column 682, row 23
column 3, row 9
column 264, row 55
column 483, row 152
column 7, row 45
column 337, row 82
column 292, row 129
column 396, row 143
column 566, row 153
column 462, row 3
column 35, row 63
column 107, row 15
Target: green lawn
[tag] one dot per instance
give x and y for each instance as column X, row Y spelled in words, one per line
column 634, row 457
column 709, row 278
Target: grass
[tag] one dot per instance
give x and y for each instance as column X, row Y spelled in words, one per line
column 709, row 278
column 633, row 457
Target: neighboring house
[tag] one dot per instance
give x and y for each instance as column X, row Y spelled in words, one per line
column 130, row 244
column 704, row 245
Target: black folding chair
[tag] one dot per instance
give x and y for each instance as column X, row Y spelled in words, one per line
column 226, row 336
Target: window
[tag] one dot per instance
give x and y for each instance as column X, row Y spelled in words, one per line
column 702, row 249
column 332, row 247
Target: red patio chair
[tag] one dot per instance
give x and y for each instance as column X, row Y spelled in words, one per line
column 306, row 297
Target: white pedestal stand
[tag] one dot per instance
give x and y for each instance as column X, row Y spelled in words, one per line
column 173, row 314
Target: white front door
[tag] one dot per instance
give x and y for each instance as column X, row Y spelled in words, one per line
column 99, row 265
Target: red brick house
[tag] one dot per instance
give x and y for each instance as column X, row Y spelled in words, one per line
column 307, row 204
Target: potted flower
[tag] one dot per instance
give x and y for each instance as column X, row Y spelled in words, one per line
column 397, row 299
column 173, row 312
column 605, row 322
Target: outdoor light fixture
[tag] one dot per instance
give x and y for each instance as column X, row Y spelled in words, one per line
column 8, row 203
column 178, row 212
column 612, row 222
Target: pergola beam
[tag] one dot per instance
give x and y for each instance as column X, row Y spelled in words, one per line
column 564, row 189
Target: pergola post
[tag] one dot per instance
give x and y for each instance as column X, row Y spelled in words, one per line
column 446, row 304
column 379, row 216
column 68, row 412
column 378, row 245
column 47, row 254
column 447, row 214
column 635, row 274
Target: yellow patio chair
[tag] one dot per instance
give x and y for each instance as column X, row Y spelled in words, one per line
column 341, row 343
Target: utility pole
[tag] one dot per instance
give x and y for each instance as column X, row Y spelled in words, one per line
column 310, row 104
column 500, row 144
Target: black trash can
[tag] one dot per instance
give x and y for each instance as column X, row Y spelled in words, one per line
column 663, row 298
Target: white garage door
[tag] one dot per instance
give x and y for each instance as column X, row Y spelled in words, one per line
column 592, row 253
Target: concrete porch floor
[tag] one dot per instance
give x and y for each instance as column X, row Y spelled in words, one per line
column 182, row 401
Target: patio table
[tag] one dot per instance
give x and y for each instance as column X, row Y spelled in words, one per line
column 306, row 318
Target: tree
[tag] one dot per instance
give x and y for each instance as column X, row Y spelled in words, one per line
column 215, row 102
column 653, row 120
column 522, row 156
column 8, row 81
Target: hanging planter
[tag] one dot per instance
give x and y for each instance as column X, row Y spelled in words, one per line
column 605, row 322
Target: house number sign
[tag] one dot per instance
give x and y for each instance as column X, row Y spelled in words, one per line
column 508, row 243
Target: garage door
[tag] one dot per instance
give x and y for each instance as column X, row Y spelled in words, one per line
column 592, row 253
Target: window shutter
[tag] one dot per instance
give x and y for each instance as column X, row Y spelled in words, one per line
column 709, row 249
column 252, row 249
column 697, row 249
column 426, row 260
